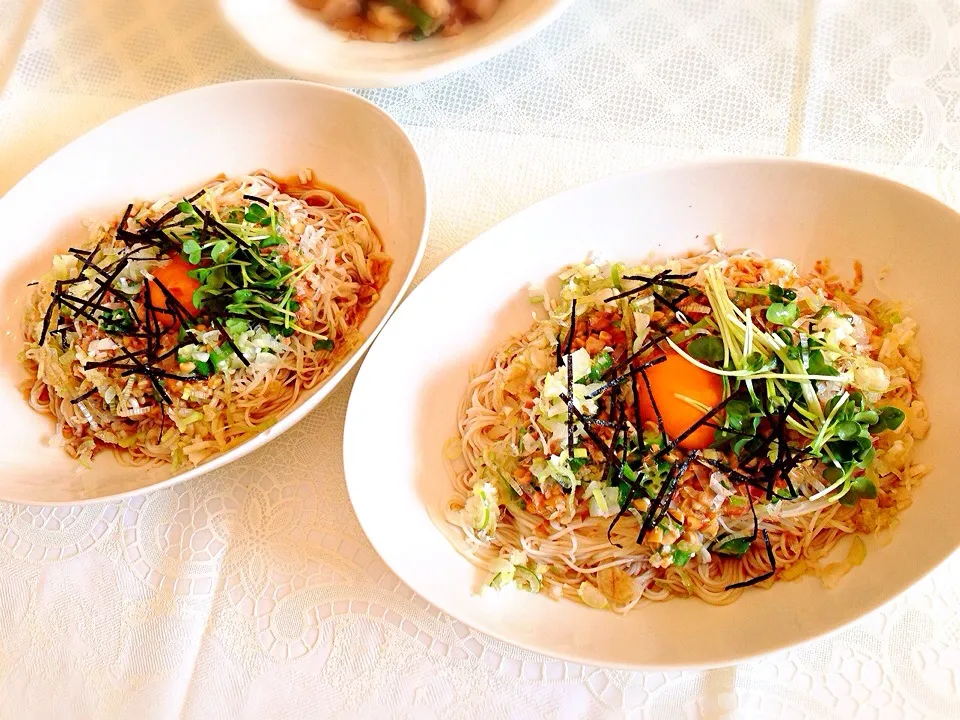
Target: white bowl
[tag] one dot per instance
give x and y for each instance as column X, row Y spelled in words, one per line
column 168, row 146
column 294, row 38
column 406, row 395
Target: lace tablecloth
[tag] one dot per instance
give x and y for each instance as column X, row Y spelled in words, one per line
column 252, row 592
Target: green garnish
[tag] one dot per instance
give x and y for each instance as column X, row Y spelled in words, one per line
column 576, row 463
column 219, row 354
column 777, row 293
column 191, row 248
column 860, row 487
column 889, row 418
column 238, row 277
column 419, row 18
column 737, row 546
column 601, row 363
column 782, row 314
column 258, row 214
column 774, row 292
column 818, row 366
column 681, row 557
column 117, row 320
column 615, row 271
column 706, row 347
column 323, row 344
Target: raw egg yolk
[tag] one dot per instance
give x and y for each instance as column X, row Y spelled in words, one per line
column 678, row 376
column 174, row 277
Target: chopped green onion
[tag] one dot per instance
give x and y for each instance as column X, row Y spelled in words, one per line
column 419, row 18
column 737, row 546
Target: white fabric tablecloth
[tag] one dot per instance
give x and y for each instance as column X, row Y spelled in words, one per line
column 252, row 592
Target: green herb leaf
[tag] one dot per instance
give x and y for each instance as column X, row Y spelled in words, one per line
column 199, row 295
column 185, row 207
column 868, row 417
column 235, row 326
column 220, row 252
column 272, row 240
column 860, row 487
column 847, row 430
column 327, row 344
column 818, row 366
column 780, row 314
column 706, row 347
column 681, row 557
column 200, row 274
column 890, row 418
column 255, row 213
column 832, row 474
column 737, row 411
column 754, row 362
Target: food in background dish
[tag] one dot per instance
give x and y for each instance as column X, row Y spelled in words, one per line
column 187, row 326
column 393, row 20
column 687, row 428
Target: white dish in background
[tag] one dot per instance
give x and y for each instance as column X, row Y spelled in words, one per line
column 165, row 147
column 406, row 396
column 295, row 38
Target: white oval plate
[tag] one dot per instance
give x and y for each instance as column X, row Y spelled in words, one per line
column 405, row 399
column 165, row 147
column 296, row 39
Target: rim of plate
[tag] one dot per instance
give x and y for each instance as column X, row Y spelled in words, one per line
column 463, row 256
column 468, row 57
column 311, row 403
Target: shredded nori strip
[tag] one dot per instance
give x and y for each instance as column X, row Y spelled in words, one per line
column 661, row 503
column 765, row 576
column 665, row 275
column 648, row 345
column 233, row 346
column 569, row 340
column 569, row 414
column 222, row 228
column 81, row 398
column 615, row 411
column 180, row 312
column 47, row 316
column 626, row 376
column 653, row 401
column 601, row 445
column 569, row 354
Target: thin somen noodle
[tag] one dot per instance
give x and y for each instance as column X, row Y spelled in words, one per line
column 687, row 428
column 187, row 325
